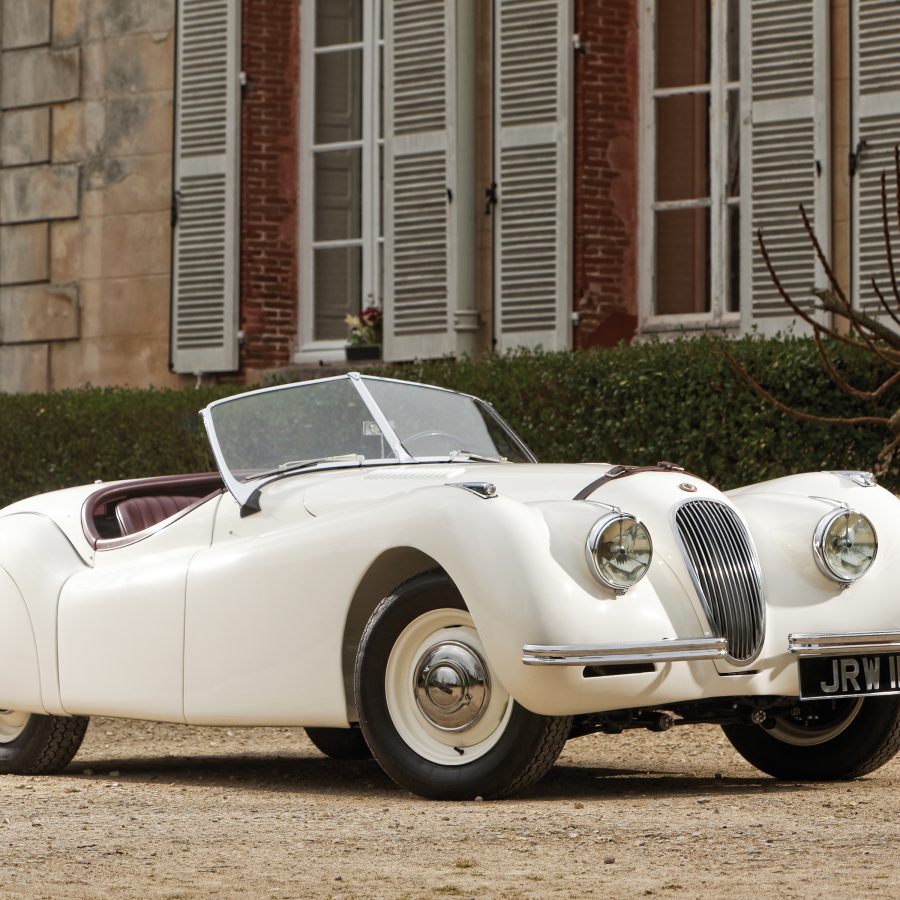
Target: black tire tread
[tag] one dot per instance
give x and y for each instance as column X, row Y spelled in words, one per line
column 64, row 735
column 885, row 753
column 555, row 737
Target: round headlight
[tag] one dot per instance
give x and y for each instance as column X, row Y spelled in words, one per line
column 619, row 551
column 845, row 545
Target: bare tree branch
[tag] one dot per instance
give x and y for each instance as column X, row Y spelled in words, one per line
column 838, row 290
column 884, row 302
column 844, row 385
column 749, row 380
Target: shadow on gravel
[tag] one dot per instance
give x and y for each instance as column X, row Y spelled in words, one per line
column 572, row 782
column 299, row 773
column 261, row 773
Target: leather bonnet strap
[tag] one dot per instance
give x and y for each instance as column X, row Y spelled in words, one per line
column 616, row 473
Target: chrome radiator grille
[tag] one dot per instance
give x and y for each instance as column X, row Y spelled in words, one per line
column 722, row 563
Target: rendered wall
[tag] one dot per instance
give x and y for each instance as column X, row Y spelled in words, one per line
column 85, row 192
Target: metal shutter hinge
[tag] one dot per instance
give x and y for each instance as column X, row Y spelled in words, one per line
column 854, row 157
column 490, row 197
column 176, row 207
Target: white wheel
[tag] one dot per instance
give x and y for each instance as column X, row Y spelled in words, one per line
column 12, row 725
column 443, row 698
column 434, row 714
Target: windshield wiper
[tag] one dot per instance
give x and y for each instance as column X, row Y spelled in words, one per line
column 292, row 465
column 475, row 456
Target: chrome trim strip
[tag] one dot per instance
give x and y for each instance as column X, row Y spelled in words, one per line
column 682, row 650
column 483, row 489
column 842, row 644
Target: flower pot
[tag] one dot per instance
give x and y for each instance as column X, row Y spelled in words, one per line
column 363, row 351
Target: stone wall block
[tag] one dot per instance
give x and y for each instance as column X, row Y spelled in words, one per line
column 139, row 125
column 130, row 16
column 123, row 361
column 26, row 23
column 38, row 312
column 33, row 193
column 24, row 368
column 136, row 244
column 39, row 76
column 66, row 251
column 135, row 184
column 139, row 64
column 23, row 253
column 68, row 132
column 68, row 22
column 25, row 137
column 125, row 307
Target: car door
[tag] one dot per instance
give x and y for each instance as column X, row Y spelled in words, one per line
column 263, row 625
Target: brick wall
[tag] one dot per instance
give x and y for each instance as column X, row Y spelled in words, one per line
column 269, row 164
column 605, row 177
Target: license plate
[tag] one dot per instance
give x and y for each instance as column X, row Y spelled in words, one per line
column 828, row 677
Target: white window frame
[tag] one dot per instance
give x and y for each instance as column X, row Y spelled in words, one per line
column 719, row 317
column 371, row 143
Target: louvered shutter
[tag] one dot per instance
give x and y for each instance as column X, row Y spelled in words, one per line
column 207, row 132
column 877, row 122
column 787, row 144
column 533, row 86
column 429, row 221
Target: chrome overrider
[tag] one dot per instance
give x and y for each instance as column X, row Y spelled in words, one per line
column 843, row 644
column 682, row 650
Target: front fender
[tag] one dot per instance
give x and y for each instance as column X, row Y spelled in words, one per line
column 782, row 516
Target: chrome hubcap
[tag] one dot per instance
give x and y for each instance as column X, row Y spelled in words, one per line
column 452, row 686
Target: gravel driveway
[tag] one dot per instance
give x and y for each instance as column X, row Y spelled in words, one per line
column 150, row 810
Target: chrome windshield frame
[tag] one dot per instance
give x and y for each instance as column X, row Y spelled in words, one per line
column 247, row 493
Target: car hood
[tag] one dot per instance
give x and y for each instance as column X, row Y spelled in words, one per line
column 523, row 482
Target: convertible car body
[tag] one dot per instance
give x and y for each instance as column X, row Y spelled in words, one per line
column 387, row 565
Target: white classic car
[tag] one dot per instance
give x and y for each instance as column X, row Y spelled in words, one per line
column 387, row 565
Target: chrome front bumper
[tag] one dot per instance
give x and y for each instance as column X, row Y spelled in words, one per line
column 622, row 654
column 688, row 649
column 844, row 644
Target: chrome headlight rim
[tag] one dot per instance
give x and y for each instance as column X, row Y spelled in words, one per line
column 819, row 551
column 593, row 541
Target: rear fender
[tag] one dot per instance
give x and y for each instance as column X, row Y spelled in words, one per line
column 20, row 679
column 37, row 560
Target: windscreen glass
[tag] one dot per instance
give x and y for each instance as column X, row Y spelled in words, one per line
column 430, row 422
column 278, row 430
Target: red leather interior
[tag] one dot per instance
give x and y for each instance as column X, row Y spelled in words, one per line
column 137, row 513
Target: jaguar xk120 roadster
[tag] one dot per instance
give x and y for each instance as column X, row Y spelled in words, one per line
column 387, row 565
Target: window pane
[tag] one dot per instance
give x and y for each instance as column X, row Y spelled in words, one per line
column 682, row 261
column 682, row 42
column 734, row 258
column 338, row 22
column 733, row 40
column 338, row 96
column 338, row 189
column 338, row 286
column 733, row 175
column 682, row 147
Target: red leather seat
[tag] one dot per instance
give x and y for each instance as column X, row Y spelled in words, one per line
column 137, row 513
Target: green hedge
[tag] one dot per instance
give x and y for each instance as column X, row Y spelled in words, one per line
column 637, row 404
